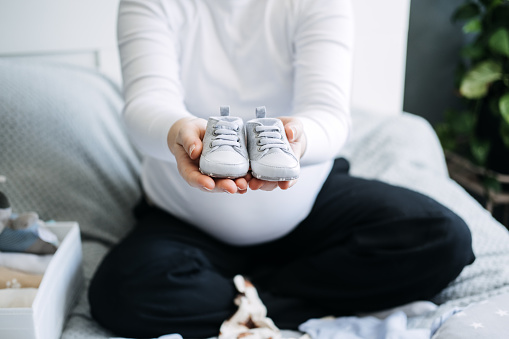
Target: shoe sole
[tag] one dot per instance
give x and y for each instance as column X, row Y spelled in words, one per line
column 223, row 176
column 261, row 177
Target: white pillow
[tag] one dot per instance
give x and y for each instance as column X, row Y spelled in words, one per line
column 63, row 148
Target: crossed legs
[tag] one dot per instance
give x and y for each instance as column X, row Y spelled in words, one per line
column 365, row 246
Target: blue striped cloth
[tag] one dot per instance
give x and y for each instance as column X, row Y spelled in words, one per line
column 18, row 240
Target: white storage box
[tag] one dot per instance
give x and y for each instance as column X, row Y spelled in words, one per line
column 57, row 292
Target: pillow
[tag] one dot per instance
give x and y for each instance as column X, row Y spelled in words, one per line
column 486, row 319
column 63, row 148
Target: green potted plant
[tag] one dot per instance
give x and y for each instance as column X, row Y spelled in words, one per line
column 479, row 133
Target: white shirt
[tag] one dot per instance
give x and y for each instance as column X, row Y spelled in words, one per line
column 184, row 58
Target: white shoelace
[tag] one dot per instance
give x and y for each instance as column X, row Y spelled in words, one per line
column 270, row 137
column 225, row 133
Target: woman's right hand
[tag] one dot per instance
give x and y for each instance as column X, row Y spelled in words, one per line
column 185, row 142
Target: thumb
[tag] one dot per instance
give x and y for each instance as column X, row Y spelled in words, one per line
column 189, row 138
column 293, row 128
column 191, row 142
column 293, row 131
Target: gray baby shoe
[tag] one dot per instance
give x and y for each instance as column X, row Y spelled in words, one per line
column 224, row 153
column 270, row 153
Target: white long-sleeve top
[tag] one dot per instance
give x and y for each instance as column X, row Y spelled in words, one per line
column 184, row 58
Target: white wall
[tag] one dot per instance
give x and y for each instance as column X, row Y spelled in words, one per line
column 75, row 29
column 380, row 54
column 83, row 31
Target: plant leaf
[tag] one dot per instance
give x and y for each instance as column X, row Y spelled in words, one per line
column 503, row 105
column 491, row 3
column 492, row 184
column 474, row 84
column 463, row 123
column 473, row 51
column 480, row 150
column 472, row 26
column 499, row 42
column 447, row 140
column 466, row 12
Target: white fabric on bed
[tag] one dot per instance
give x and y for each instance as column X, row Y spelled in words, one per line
column 393, row 327
column 26, row 262
column 17, row 297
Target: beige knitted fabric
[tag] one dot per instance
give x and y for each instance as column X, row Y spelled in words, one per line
column 10, row 278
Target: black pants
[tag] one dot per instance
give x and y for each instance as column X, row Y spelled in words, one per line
column 365, row 246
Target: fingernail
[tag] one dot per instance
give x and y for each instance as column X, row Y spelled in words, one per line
column 226, row 191
column 206, row 189
column 191, row 149
column 294, row 132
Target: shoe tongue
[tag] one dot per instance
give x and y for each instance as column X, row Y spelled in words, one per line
column 229, row 119
column 268, row 121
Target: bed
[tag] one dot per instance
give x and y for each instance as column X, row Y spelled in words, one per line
column 65, row 153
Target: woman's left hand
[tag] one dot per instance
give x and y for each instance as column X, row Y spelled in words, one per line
column 297, row 138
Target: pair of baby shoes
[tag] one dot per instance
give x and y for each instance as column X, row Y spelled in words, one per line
column 230, row 148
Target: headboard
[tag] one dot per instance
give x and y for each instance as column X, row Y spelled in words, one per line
column 84, row 32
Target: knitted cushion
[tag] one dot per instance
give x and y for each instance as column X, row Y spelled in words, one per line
column 63, row 149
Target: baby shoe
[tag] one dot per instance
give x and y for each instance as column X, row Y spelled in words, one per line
column 270, row 153
column 224, row 153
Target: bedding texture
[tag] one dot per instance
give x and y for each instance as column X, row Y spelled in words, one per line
column 63, row 149
column 485, row 319
column 65, row 155
column 404, row 150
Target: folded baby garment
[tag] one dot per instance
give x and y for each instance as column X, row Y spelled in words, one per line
column 17, row 297
column 10, row 278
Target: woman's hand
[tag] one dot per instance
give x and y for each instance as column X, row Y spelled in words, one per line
column 295, row 134
column 185, row 142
